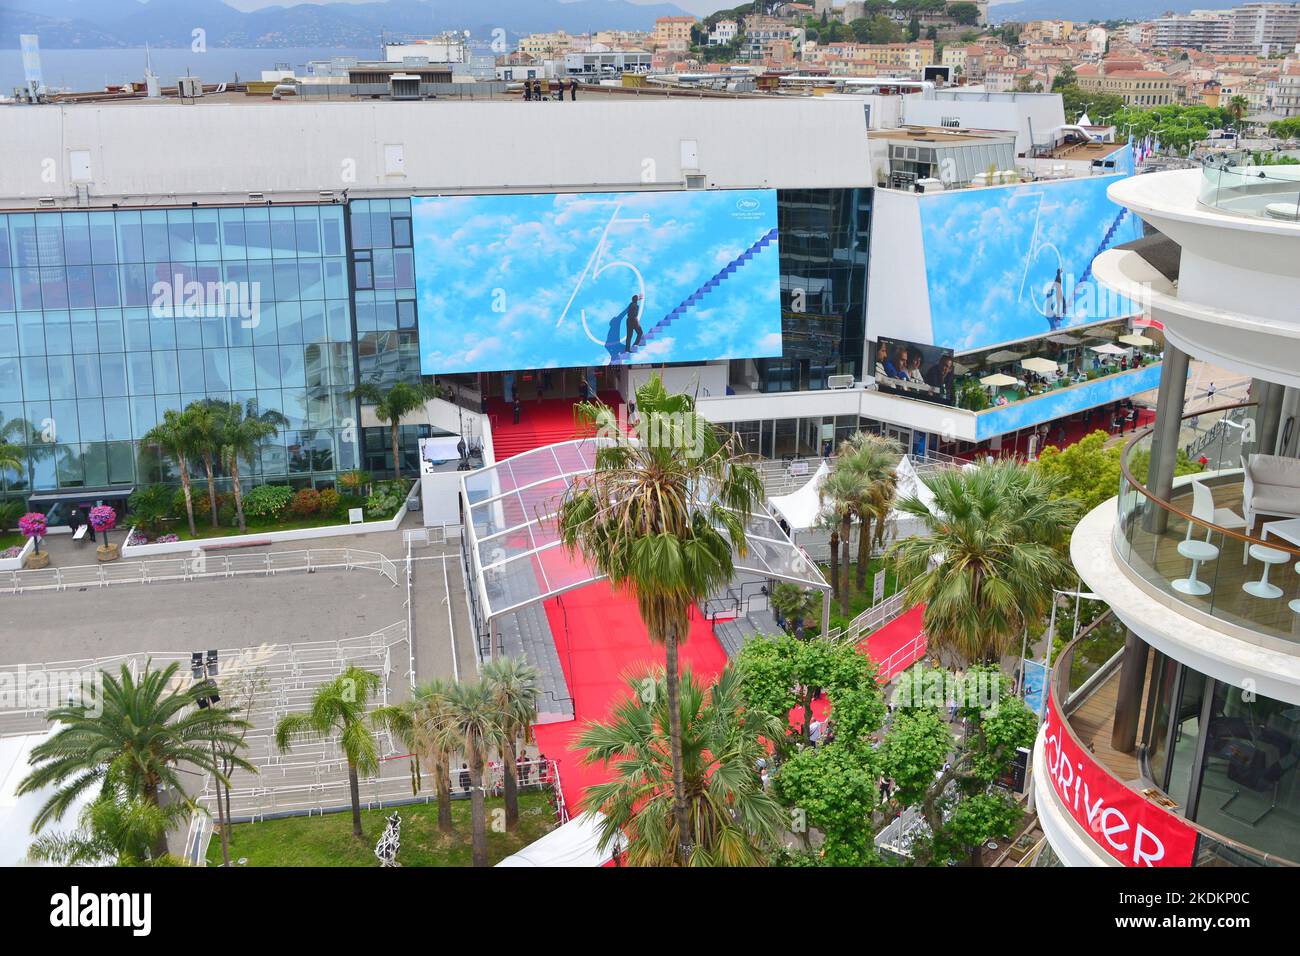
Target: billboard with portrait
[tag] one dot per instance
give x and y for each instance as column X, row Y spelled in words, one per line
column 916, row 371
column 588, row 279
column 1004, row 264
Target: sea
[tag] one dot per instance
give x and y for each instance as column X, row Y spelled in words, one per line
column 88, row 70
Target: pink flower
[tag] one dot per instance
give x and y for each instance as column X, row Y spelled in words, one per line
column 32, row 524
column 103, row 518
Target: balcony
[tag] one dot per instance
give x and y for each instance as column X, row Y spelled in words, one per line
column 1194, row 551
column 1268, row 192
column 1101, row 806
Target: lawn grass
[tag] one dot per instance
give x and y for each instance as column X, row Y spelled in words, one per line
column 328, row 841
column 257, row 526
column 859, row 601
column 14, row 540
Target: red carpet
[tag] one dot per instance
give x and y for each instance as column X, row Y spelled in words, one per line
column 540, row 423
column 606, row 640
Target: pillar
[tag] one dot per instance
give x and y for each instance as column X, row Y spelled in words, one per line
column 1164, row 441
column 1128, row 702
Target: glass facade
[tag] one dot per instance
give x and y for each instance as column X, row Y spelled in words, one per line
column 110, row 318
column 1228, row 756
column 824, row 242
column 383, row 274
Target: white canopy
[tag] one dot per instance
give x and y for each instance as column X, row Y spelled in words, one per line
column 1043, row 365
column 997, row 379
column 1109, row 349
column 802, row 507
column 1004, row 355
column 1064, row 339
column 1136, row 338
column 18, row 813
column 576, row 843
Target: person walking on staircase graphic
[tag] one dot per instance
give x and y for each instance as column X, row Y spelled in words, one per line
column 633, row 323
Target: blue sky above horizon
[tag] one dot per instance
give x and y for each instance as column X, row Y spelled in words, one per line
column 495, row 274
column 991, row 257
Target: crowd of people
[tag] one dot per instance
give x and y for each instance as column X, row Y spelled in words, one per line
column 533, row 90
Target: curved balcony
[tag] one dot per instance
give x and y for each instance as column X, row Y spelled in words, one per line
column 1225, row 546
column 1268, row 192
column 1123, row 818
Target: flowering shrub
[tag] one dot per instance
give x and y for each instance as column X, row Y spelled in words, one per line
column 166, row 539
column 305, row 502
column 11, row 552
column 32, row 525
column 385, row 499
column 329, row 502
column 268, row 501
column 103, row 518
column 137, row 537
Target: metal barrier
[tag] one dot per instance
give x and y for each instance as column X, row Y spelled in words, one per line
column 194, row 567
column 872, row 619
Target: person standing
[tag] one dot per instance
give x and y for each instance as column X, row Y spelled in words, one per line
column 517, row 408
column 528, row 91
column 634, row 323
column 573, row 90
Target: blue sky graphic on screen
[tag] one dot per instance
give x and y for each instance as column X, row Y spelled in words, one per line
column 1004, row 264
column 546, row 281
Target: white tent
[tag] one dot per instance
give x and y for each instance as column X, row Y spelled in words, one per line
column 801, row 508
column 1109, row 349
column 17, row 813
column 576, row 843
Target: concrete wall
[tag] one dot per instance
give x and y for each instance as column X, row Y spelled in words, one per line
column 214, row 151
column 1022, row 112
column 898, row 299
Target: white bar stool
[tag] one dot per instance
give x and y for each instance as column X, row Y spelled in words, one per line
column 1294, row 603
column 1270, row 557
column 1194, row 549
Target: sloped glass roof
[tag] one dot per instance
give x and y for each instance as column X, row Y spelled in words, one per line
column 515, row 547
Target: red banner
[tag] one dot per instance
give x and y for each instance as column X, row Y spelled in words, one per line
column 1122, row 822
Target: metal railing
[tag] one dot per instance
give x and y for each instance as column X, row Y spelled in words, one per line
column 1232, row 183
column 194, row 567
column 872, row 619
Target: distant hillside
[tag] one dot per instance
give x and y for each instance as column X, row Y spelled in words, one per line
column 1022, row 10
column 63, row 24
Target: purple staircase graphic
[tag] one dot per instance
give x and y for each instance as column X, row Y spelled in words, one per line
column 623, row 356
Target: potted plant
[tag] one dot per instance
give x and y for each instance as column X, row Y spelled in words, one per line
column 104, row 519
column 33, row 525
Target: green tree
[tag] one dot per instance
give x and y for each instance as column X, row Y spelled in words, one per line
column 661, row 518
column 1238, row 106
column 834, row 789
column 177, row 437
column 425, row 728
column 12, row 458
column 992, row 550
column 976, row 820
column 1067, row 77
column 875, row 461
column 914, row 750
column 735, row 822
column 792, row 605
column 144, row 731
column 114, row 829
column 474, row 717
column 965, row 14
column 392, row 406
column 1286, row 128
column 338, row 707
column 838, row 494
column 244, row 430
column 513, row 682
column 208, row 419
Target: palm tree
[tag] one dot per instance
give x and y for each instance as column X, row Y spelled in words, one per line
column 993, row 549
column 839, row 492
column 393, row 405
column 176, row 435
column 243, row 432
column 339, row 707
column 1238, row 106
column 875, row 462
column 474, row 717
column 735, row 821
column 661, row 518
column 514, row 684
column 209, row 420
column 792, row 604
column 142, row 731
column 13, row 457
column 425, row 729
column 114, row 829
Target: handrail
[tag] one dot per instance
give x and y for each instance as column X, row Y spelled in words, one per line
column 1140, row 487
column 1060, row 679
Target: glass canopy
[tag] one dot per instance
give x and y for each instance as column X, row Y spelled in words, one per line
column 514, row 544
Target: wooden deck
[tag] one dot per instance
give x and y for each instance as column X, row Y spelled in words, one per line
column 1092, row 722
column 1157, row 558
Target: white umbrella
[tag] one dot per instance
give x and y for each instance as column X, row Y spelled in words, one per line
column 1043, row 366
column 997, row 380
column 1064, row 339
column 1005, row 355
column 1109, row 349
column 1136, row 338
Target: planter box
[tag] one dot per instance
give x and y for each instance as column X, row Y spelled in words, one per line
column 17, row 564
column 107, row 552
column 235, row 541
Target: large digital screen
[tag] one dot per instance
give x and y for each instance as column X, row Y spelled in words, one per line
column 1005, row 264
column 563, row 281
column 916, row 371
